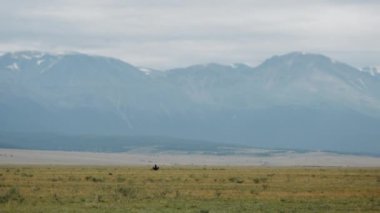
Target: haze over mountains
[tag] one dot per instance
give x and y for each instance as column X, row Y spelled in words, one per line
column 293, row 101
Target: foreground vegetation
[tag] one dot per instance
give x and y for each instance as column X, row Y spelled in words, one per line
column 188, row 189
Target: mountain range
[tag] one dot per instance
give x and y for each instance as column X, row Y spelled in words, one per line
column 292, row 101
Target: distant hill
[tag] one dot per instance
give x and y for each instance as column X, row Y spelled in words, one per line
column 293, row 101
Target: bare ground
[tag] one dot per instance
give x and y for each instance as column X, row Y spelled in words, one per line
column 16, row 156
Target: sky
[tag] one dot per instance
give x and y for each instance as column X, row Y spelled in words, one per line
column 164, row 34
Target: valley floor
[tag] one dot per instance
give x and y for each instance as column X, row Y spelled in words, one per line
column 256, row 158
column 47, row 188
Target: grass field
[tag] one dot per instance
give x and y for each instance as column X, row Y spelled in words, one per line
column 188, row 189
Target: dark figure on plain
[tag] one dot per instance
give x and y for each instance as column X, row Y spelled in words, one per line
column 155, row 167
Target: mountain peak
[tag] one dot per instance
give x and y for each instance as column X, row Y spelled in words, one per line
column 299, row 60
column 374, row 71
column 25, row 55
column 303, row 56
column 34, row 54
column 66, row 62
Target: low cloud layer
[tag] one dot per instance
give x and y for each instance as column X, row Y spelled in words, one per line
column 169, row 33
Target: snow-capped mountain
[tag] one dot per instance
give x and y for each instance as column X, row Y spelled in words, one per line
column 372, row 70
column 297, row 100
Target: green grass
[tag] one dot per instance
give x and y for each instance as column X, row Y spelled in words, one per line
column 188, row 189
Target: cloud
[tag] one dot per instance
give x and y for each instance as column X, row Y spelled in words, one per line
column 170, row 33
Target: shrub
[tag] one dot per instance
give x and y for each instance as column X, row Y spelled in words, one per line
column 56, row 179
column 12, row 195
column 129, row 192
column 120, row 179
column 236, row 180
column 26, row 175
column 218, row 193
column 73, row 178
column 94, row 179
column 260, row 179
column 265, row 186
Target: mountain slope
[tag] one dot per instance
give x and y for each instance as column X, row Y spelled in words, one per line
column 297, row 100
column 320, row 81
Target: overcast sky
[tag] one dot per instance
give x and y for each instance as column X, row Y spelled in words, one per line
column 169, row 33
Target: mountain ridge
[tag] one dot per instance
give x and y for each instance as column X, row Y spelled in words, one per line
column 296, row 100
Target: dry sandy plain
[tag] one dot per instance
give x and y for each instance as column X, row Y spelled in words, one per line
column 37, row 157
